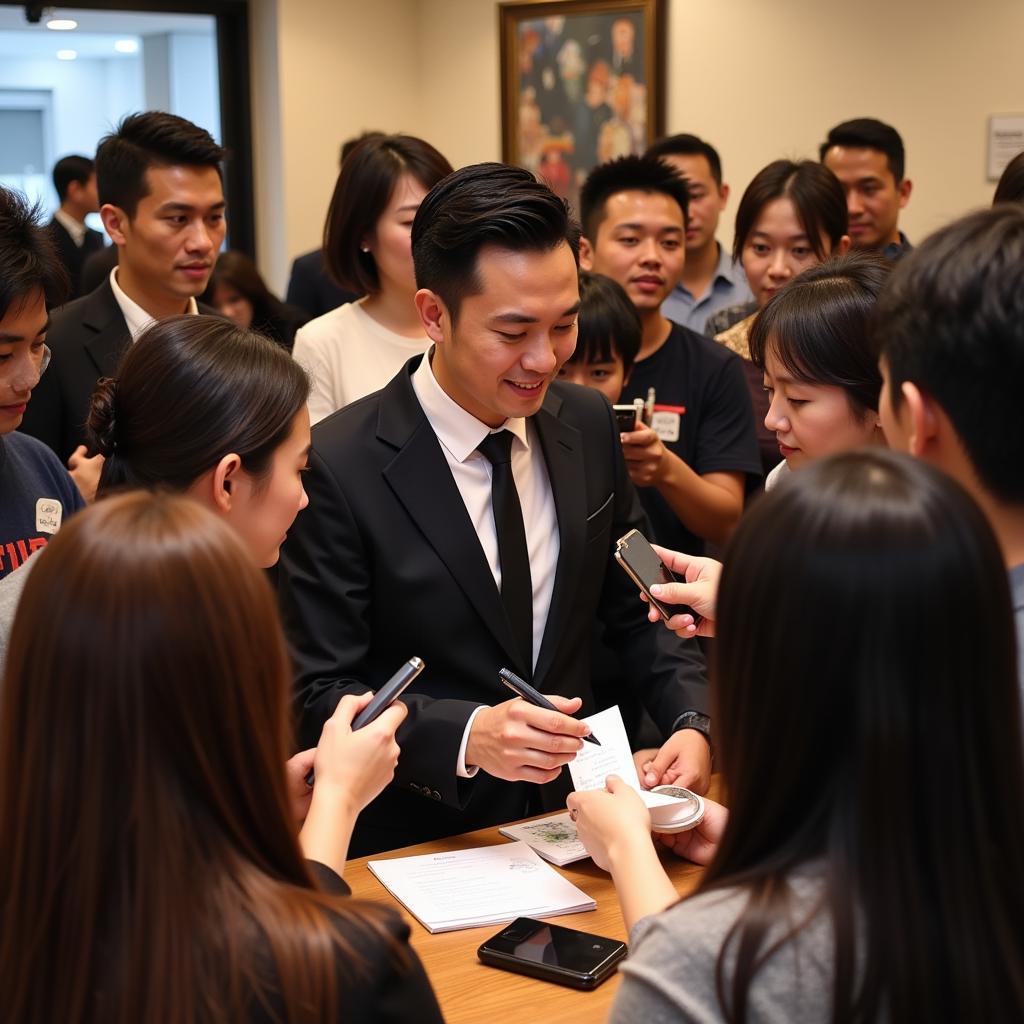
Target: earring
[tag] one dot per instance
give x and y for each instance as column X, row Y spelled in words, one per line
column 364, row 248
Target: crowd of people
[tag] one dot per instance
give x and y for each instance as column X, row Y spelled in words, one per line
column 226, row 518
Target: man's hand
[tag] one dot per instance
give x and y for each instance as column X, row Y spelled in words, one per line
column 699, row 591
column 85, row 471
column 646, row 457
column 518, row 742
column 699, row 844
column 684, row 760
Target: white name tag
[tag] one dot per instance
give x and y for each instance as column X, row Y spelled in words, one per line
column 665, row 425
column 49, row 513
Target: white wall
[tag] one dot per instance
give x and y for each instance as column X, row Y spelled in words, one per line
column 760, row 80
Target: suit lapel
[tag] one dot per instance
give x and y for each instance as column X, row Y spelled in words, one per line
column 563, row 453
column 421, row 480
column 110, row 337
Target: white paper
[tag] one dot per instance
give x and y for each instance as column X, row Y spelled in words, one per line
column 474, row 888
column 554, row 838
column 593, row 764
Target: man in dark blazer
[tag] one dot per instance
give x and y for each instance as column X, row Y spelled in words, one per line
column 408, row 546
column 74, row 178
column 311, row 287
column 159, row 180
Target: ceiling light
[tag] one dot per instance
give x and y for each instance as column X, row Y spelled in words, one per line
column 126, row 46
column 62, row 24
column 67, row 54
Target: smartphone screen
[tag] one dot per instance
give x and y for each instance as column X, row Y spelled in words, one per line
column 551, row 950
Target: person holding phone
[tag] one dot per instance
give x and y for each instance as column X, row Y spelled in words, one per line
column 881, row 795
column 150, row 840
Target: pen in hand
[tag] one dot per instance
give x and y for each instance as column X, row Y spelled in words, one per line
column 523, row 689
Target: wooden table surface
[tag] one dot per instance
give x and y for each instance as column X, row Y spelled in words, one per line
column 470, row 992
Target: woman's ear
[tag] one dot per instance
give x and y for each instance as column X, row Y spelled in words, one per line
column 223, row 479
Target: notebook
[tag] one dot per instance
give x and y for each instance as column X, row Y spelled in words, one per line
column 553, row 838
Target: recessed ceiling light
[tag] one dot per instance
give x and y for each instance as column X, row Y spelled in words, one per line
column 62, row 24
column 67, row 54
column 126, row 46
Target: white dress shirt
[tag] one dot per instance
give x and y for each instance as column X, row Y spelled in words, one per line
column 459, row 433
column 134, row 315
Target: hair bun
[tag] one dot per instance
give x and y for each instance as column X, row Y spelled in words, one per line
column 101, row 425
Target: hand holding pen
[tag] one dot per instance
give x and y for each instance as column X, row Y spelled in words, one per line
column 522, row 688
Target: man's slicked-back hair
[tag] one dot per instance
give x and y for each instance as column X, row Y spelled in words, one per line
column 629, row 174
column 28, row 258
column 951, row 322
column 69, row 169
column 487, row 204
column 150, row 139
column 869, row 133
column 688, row 145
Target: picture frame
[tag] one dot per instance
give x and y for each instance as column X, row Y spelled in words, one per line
column 582, row 82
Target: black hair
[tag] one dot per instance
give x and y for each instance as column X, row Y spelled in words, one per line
column 688, row 145
column 28, row 257
column 480, row 205
column 608, row 325
column 817, row 327
column 876, row 732
column 349, row 144
column 628, row 174
column 816, row 196
column 71, row 168
column 191, row 390
column 951, row 321
column 149, row 139
column 869, row 133
column 1011, row 182
column 369, row 174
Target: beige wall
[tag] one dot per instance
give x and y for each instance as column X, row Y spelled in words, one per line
column 759, row 79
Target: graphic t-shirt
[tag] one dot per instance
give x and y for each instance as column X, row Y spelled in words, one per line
column 703, row 414
column 36, row 496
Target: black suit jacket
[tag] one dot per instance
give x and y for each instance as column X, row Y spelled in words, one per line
column 311, row 287
column 73, row 256
column 384, row 564
column 87, row 338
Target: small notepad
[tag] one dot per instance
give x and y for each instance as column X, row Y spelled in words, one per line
column 478, row 888
column 553, row 838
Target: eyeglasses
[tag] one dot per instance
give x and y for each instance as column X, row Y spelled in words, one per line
column 25, row 375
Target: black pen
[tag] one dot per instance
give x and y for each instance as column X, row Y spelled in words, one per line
column 523, row 689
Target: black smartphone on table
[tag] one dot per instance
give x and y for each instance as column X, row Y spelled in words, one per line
column 644, row 566
column 553, row 953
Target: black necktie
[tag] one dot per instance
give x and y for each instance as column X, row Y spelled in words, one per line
column 516, row 585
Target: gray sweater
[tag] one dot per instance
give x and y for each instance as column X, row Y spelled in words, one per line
column 670, row 973
column 11, row 587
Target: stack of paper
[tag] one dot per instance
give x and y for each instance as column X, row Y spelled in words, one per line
column 553, row 838
column 477, row 888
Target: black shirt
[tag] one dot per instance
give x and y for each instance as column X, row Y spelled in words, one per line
column 715, row 433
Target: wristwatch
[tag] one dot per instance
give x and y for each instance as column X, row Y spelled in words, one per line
column 694, row 720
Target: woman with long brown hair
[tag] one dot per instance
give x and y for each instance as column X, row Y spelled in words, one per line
column 150, row 869
column 868, row 867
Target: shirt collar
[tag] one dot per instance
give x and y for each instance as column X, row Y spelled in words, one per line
column 460, row 432
column 75, row 228
column 135, row 317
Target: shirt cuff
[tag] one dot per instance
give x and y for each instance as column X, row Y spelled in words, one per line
column 460, row 768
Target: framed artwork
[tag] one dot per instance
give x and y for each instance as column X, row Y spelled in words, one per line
column 582, row 82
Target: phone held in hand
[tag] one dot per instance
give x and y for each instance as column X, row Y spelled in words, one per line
column 627, row 416
column 636, row 556
column 553, row 953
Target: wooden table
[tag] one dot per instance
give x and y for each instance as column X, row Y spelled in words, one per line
column 470, row 992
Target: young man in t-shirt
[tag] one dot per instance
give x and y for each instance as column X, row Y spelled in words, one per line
column 694, row 466
column 36, row 492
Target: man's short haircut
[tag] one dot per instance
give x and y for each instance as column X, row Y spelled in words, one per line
column 813, row 190
column 866, row 132
column 149, row 139
column 69, row 169
column 368, row 177
column 951, row 321
column 629, row 174
column 1011, row 183
column 482, row 205
column 688, row 145
column 28, row 258
column 608, row 325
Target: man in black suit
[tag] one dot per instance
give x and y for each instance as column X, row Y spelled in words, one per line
column 467, row 514
column 74, row 177
column 159, row 180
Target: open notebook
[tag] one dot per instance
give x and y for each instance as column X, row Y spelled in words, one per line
column 477, row 888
